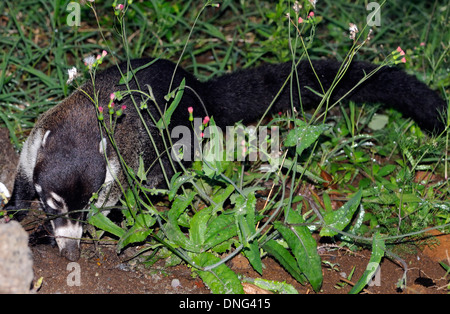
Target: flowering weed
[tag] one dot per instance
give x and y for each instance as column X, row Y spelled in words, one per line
column 357, row 184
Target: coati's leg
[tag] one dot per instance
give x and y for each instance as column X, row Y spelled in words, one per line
column 24, row 191
column 22, row 196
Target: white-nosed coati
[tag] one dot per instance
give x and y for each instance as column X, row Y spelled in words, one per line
column 63, row 161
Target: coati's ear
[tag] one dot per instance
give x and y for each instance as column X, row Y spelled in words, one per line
column 44, row 139
column 102, row 146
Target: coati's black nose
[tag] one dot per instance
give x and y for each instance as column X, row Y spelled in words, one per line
column 72, row 253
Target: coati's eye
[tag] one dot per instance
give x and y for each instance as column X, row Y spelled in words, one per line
column 56, row 201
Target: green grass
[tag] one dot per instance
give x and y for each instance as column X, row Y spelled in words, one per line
column 359, row 183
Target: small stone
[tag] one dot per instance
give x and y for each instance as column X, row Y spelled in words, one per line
column 16, row 263
column 175, row 283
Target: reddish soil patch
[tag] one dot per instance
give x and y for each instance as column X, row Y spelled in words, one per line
column 102, row 271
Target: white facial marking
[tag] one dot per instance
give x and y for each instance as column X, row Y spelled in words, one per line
column 51, row 203
column 58, row 199
column 70, row 232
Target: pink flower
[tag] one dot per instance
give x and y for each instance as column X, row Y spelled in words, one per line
column 206, row 120
column 112, row 96
column 123, row 107
column 100, row 109
column 202, row 134
column 422, row 44
column 190, row 110
column 397, row 53
column 300, row 20
column 400, row 50
column 311, row 14
column 104, row 53
column 119, row 7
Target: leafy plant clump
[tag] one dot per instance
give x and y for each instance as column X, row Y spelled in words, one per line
column 358, row 178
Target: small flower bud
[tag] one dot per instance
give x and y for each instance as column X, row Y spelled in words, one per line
column 191, row 110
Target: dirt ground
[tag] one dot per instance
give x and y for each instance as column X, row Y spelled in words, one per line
column 101, row 271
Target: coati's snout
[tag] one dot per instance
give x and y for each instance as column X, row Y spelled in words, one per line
column 66, row 222
column 67, row 234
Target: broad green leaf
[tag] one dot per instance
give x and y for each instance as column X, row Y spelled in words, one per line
column 409, row 198
column 169, row 112
column 303, row 246
column 285, row 259
column 141, row 174
column 176, row 182
column 129, row 207
column 245, row 220
column 378, row 249
column 245, row 216
column 378, row 122
column 339, row 219
column 221, row 196
column 304, row 136
column 180, row 204
column 222, row 228
column 221, row 279
column 386, row 170
column 172, row 229
column 254, row 256
column 207, row 228
column 198, row 225
column 214, row 161
column 275, row 286
column 101, row 221
column 138, row 232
